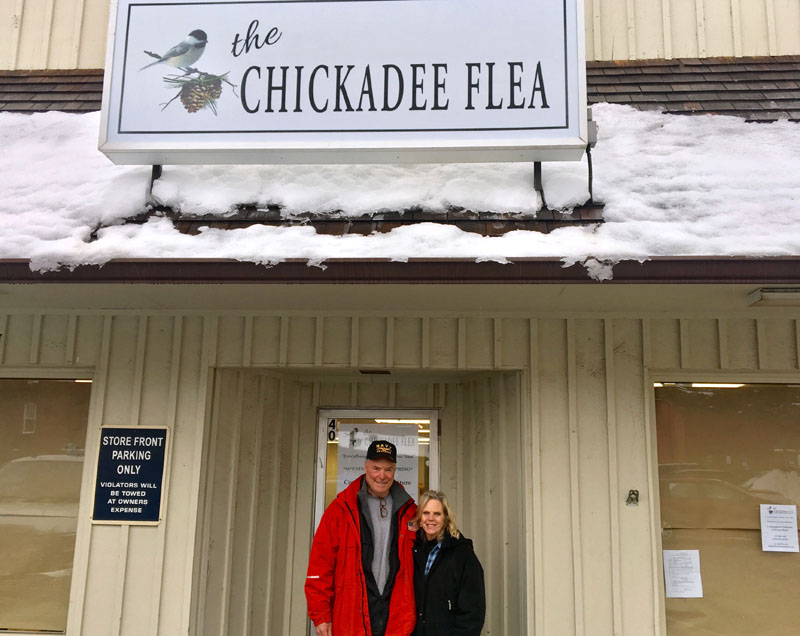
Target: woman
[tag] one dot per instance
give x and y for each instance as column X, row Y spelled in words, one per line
column 448, row 578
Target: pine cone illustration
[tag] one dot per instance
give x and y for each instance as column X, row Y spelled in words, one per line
column 193, row 96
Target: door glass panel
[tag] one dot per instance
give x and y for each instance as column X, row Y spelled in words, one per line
column 42, row 433
column 723, row 451
column 347, row 440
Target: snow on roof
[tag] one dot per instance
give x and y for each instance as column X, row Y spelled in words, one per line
column 672, row 185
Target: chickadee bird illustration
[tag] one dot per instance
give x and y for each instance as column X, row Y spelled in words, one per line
column 183, row 54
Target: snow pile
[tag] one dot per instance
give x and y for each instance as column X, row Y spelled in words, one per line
column 785, row 482
column 672, row 186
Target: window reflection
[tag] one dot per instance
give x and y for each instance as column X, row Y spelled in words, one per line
column 42, row 433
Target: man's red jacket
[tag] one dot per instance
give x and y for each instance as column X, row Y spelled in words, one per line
column 336, row 590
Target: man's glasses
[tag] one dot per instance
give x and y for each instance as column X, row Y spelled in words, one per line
column 384, row 509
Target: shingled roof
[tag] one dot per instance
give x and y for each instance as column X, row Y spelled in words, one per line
column 757, row 89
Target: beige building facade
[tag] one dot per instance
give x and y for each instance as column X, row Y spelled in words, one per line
column 71, row 34
column 546, row 410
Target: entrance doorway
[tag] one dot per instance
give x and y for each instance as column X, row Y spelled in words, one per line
column 343, row 439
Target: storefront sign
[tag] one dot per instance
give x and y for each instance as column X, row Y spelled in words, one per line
column 332, row 81
column 779, row 528
column 130, row 473
column 354, row 440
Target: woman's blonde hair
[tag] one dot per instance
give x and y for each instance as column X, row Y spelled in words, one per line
column 449, row 515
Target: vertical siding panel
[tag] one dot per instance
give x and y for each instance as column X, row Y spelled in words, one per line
column 319, row 337
column 426, row 343
column 703, row 343
column 742, row 344
column 293, row 418
column 247, row 342
column 36, row 338
column 615, row 30
column 648, row 29
column 18, row 334
column 336, row 341
column 515, row 343
column 796, row 341
column 478, row 347
column 75, row 39
column 444, row 343
column 372, row 342
column 574, row 481
column 719, row 27
column 630, row 15
column 266, row 340
column 684, row 28
column 533, row 508
column 12, row 56
column 761, row 340
column 462, row 343
column 246, row 495
column 203, row 469
column 72, row 334
column 230, row 341
column 47, row 32
column 497, row 325
column 736, row 27
column 787, row 22
column 684, row 331
column 140, row 602
column 283, row 351
column 593, row 475
column 666, row 28
column 559, row 591
column 170, row 420
column 722, row 336
column 776, row 339
column 3, row 337
column 771, row 31
column 754, row 32
column 211, row 580
column 699, row 7
column 665, row 343
column 597, row 30
column 302, row 336
column 93, row 40
column 614, row 492
column 265, row 551
column 389, row 343
column 83, row 537
column 355, row 343
column 55, row 332
column 302, row 513
column 187, row 412
column 637, row 569
column 409, row 342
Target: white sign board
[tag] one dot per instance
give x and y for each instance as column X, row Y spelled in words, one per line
column 682, row 574
column 334, row 81
column 354, row 440
column 779, row 528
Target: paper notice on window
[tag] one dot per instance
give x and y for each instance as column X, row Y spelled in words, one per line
column 779, row 528
column 682, row 574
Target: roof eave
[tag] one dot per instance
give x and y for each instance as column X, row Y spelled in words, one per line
column 664, row 270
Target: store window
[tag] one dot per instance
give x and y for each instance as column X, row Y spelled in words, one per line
column 42, row 437
column 345, row 436
column 723, row 451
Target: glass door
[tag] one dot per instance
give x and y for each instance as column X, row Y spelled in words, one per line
column 345, row 435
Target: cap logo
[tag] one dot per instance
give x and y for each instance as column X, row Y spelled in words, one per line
column 383, row 448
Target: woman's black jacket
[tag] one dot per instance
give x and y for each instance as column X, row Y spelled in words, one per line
column 451, row 601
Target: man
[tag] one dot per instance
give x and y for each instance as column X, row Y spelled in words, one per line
column 361, row 572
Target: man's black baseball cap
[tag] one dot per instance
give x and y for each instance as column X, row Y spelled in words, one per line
column 381, row 449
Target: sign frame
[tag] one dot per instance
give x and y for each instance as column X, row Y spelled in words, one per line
column 322, row 150
column 164, row 475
